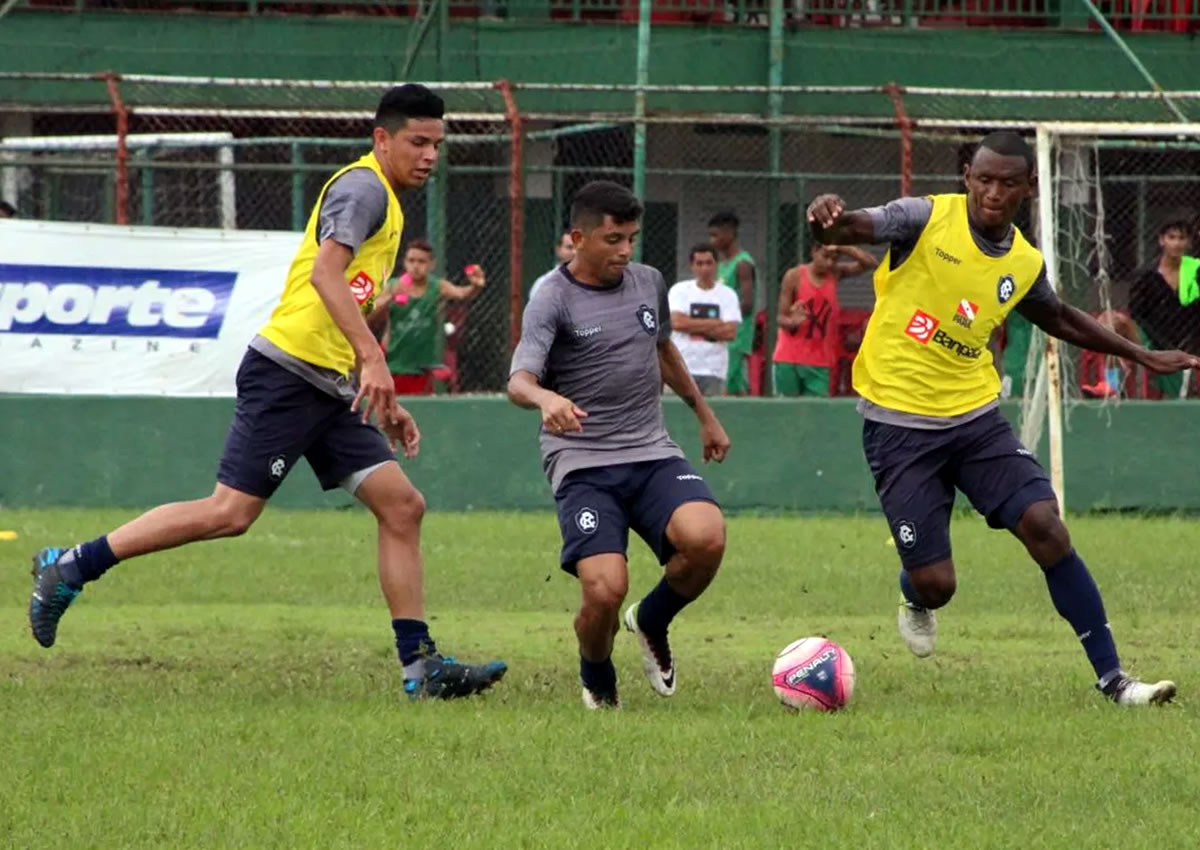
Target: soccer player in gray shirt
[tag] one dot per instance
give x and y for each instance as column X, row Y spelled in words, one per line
column 595, row 350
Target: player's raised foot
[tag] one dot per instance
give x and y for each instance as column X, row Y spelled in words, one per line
column 445, row 678
column 597, row 700
column 657, row 661
column 918, row 627
column 51, row 596
column 1126, row 690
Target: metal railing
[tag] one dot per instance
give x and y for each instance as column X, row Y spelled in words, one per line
column 1179, row 16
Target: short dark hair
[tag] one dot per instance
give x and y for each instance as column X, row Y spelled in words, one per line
column 8, row 209
column 702, row 248
column 725, row 218
column 411, row 100
column 600, row 198
column 1174, row 224
column 420, row 245
column 1008, row 143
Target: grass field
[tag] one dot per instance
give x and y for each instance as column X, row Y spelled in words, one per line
column 245, row 693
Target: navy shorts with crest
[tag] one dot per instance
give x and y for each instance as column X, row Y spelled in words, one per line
column 918, row 470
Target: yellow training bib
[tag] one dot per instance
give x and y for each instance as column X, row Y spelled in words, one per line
column 301, row 325
column 925, row 349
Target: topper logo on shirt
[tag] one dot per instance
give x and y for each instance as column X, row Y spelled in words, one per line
column 921, row 327
column 648, row 319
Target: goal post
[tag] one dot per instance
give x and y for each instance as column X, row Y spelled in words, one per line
column 1113, row 198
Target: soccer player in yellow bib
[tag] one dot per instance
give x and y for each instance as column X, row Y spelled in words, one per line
column 955, row 267
column 308, row 385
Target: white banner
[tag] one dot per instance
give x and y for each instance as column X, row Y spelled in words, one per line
column 108, row 310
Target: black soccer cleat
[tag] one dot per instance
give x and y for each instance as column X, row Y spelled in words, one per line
column 445, row 678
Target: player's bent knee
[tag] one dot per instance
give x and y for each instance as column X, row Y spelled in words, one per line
column 705, row 545
column 698, row 531
column 605, row 592
column 935, row 584
column 1041, row 527
column 231, row 513
column 404, row 513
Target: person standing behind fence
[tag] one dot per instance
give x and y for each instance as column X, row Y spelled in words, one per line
column 564, row 250
column 704, row 318
column 414, row 327
column 735, row 269
column 308, row 385
column 805, row 352
column 1154, row 303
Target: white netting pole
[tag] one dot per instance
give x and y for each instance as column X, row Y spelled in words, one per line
column 1047, row 225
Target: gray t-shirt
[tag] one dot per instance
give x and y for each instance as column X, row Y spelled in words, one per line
column 901, row 223
column 598, row 347
column 353, row 209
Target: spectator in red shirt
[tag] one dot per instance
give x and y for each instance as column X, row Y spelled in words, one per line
column 805, row 351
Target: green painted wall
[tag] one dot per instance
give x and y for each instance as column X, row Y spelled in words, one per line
column 375, row 49
column 481, row 453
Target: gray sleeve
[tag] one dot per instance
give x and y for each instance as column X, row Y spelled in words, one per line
column 901, row 220
column 1041, row 294
column 664, row 308
column 354, row 207
column 539, row 328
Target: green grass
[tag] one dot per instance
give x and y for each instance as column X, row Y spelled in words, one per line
column 245, row 693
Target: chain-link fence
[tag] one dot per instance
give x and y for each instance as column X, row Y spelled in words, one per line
column 255, row 153
column 1128, row 232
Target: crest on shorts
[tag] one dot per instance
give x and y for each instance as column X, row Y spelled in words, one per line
column 277, row 467
column 587, row 520
column 906, row 534
column 1006, row 289
column 648, row 319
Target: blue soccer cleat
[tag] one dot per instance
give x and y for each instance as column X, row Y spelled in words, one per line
column 445, row 678
column 51, row 596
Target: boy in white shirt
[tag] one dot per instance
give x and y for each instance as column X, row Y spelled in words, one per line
column 704, row 319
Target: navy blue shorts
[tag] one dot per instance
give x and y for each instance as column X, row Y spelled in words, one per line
column 917, row 471
column 280, row 417
column 598, row 506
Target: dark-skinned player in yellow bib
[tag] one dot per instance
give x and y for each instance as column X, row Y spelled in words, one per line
column 308, row 386
column 956, row 265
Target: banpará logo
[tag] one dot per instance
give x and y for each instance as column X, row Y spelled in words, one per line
column 963, row 350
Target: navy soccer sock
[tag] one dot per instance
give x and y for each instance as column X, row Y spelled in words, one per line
column 599, row 677
column 910, row 592
column 658, row 609
column 87, row 562
column 414, row 645
column 1077, row 599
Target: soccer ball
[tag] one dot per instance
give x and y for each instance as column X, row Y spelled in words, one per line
column 813, row 674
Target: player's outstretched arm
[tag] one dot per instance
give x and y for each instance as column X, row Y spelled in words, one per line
column 831, row 224
column 376, row 393
column 559, row 414
column 1070, row 324
column 675, row 374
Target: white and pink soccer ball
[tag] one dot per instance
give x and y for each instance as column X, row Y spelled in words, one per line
column 813, row 674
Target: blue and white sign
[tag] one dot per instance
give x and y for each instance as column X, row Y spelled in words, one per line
column 37, row 299
column 112, row 310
